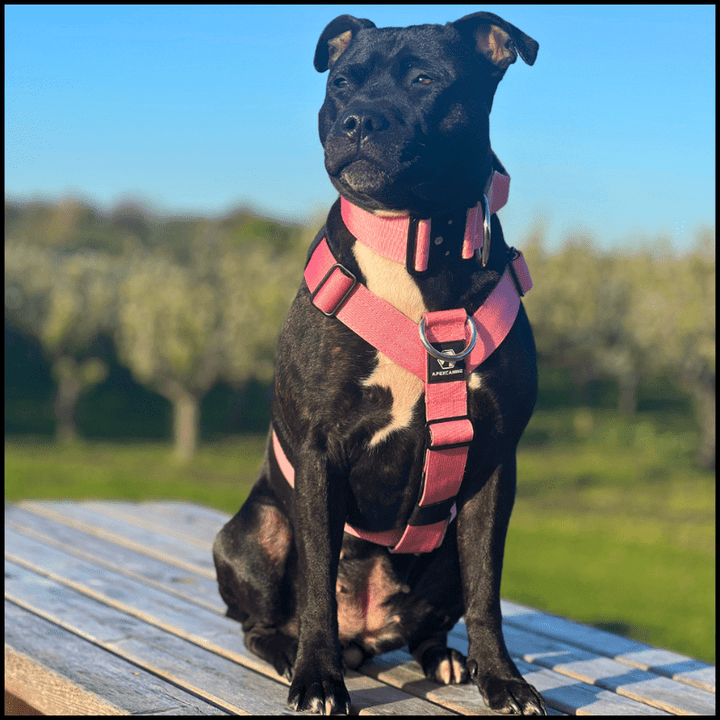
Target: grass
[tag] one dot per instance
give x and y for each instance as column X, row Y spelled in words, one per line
column 220, row 475
column 613, row 525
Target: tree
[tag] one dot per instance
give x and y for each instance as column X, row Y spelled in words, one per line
column 183, row 327
column 672, row 318
column 628, row 315
column 67, row 302
column 578, row 307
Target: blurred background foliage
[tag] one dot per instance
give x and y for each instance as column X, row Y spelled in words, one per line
column 127, row 333
column 124, row 309
column 188, row 307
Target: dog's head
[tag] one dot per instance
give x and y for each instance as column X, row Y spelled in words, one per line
column 405, row 122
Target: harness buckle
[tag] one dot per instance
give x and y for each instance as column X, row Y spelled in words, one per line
column 461, row 435
column 338, row 305
column 411, row 247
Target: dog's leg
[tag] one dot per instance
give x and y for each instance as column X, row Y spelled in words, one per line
column 320, row 500
column 251, row 558
column 482, row 526
column 440, row 589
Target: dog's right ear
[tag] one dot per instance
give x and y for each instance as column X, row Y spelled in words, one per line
column 335, row 38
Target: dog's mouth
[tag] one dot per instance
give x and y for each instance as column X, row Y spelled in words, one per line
column 374, row 177
column 363, row 176
column 393, row 186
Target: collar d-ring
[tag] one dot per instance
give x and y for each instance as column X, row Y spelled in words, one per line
column 484, row 254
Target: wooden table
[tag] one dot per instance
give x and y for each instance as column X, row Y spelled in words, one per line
column 112, row 608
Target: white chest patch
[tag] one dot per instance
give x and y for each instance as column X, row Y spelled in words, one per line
column 393, row 283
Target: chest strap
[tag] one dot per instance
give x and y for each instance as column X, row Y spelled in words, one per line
column 337, row 293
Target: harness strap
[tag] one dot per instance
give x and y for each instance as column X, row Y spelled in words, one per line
column 384, row 537
column 450, row 433
column 337, row 293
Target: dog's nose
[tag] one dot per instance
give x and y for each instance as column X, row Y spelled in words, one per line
column 357, row 124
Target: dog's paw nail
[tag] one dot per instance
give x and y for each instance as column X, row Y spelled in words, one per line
column 511, row 696
column 323, row 697
column 444, row 665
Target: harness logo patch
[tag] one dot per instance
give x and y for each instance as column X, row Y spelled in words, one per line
column 446, row 370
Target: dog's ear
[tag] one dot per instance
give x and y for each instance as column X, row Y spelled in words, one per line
column 497, row 40
column 335, row 38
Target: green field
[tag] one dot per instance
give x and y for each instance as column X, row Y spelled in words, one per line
column 613, row 525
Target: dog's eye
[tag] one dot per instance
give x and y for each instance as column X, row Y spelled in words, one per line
column 340, row 82
column 423, row 80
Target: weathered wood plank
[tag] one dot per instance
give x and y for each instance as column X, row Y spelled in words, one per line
column 60, row 673
column 645, row 687
column 631, row 652
column 131, row 562
column 184, row 523
column 397, row 668
column 153, row 543
column 48, row 692
column 78, row 602
column 563, row 694
column 578, row 698
column 152, row 562
column 179, row 662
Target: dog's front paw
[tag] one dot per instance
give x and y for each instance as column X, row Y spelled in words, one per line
column 444, row 665
column 511, row 696
column 324, row 695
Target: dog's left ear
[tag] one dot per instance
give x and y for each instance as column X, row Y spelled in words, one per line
column 497, row 40
column 335, row 39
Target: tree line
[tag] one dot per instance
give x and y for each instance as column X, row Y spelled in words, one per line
column 189, row 302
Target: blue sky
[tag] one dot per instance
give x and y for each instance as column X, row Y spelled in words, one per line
column 204, row 108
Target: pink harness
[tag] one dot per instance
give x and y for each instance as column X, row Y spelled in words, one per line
column 442, row 350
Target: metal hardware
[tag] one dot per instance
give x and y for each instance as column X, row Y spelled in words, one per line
column 439, row 354
column 485, row 255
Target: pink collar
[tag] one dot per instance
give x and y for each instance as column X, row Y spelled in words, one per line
column 392, row 237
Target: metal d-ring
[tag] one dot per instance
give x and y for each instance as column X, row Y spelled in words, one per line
column 485, row 254
column 439, row 354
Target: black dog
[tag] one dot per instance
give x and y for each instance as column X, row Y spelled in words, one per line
column 408, row 437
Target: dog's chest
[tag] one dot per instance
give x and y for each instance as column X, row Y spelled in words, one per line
column 392, row 282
